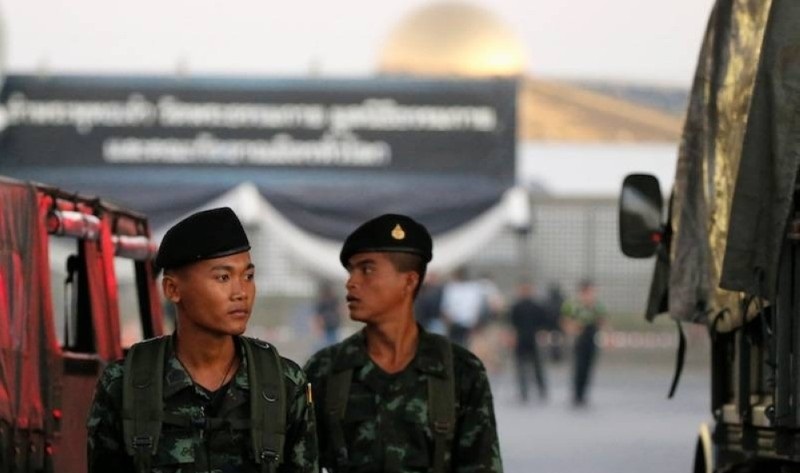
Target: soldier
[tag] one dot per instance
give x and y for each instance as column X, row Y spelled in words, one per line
column 583, row 318
column 204, row 398
column 394, row 397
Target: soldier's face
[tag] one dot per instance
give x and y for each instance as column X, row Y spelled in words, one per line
column 376, row 290
column 215, row 295
column 588, row 296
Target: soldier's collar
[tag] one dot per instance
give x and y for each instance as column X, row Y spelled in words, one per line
column 428, row 359
column 176, row 378
column 241, row 380
column 351, row 353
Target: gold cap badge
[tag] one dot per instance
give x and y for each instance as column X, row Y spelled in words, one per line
column 398, row 233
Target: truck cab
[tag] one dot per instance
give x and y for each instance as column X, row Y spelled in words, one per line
column 62, row 257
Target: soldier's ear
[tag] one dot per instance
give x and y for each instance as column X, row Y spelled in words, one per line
column 169, row 285
column 412, row 281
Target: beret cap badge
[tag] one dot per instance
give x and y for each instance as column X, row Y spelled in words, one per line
column 391, row 233
column 398, row 233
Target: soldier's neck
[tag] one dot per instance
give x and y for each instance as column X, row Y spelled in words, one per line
column 392, row 345
column 205, row 356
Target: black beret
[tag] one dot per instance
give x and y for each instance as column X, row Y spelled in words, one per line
column 204, row 235
column 389, row 233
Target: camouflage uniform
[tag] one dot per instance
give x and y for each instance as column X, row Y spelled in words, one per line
column 386, row 425
column 220, row 449
column 589, row 319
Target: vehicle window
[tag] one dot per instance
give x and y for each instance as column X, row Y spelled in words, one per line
column 64, row 291
column 129, row 310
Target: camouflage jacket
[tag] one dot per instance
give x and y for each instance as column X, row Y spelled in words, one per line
column 183, row 450
column 583, row 314
column 386, row 425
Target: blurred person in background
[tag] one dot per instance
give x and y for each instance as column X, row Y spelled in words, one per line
column 428, row 305
column 170, row 313
column 583, row 318
column 486, row 338
column 327, row 314
column 528, row 317
column 494, row 303
column 463, row 303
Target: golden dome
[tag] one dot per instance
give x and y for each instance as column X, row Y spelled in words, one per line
column 452, row 38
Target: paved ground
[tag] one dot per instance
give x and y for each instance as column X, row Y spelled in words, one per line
column 629, row 426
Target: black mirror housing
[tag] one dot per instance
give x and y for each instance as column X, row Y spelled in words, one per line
column 640, row 216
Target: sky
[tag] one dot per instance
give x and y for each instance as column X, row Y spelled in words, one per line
column 645, row 41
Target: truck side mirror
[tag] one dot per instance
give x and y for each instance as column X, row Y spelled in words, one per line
column 640, row 210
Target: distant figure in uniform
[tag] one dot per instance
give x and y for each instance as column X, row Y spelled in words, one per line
column 205, row 398
column 326, row 314
column 528, row 317
column 393, row 397
column 583, row 318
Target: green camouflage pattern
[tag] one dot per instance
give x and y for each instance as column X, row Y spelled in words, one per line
column 583, row 314
column 386, row 425
column 222, row 448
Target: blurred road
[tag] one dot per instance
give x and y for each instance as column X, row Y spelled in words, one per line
column 629, row 426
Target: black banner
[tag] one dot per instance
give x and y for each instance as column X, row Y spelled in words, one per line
column 420, row 126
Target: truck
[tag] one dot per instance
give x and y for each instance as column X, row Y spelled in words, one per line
column 727, row 253
column 61, row 319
